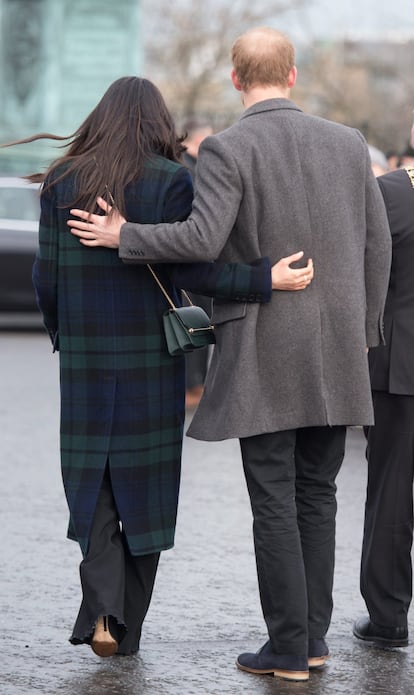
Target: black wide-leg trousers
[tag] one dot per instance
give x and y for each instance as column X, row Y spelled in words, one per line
column 386, row 567
column 114, row 582
column 290, row 477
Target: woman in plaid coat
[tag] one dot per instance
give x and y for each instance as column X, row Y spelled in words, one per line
column 122, row 394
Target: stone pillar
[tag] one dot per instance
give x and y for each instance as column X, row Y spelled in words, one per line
column 57, row 58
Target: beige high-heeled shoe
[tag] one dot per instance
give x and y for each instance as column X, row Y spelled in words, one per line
column 103, row 644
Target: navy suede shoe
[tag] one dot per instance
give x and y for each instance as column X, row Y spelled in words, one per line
column 292, row 667
column 383, row 636
column 318, row 653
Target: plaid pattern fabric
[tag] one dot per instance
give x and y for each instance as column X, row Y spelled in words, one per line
column 122, row 394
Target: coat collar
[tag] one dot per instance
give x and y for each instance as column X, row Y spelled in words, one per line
column 270, row 105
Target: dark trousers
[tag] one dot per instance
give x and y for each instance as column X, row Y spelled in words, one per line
column 291, row 476
column 386, row 571
column 114, row 582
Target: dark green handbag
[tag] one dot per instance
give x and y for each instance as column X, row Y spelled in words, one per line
column 186, row 328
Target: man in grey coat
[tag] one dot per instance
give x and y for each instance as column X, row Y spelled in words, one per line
column 287, row 377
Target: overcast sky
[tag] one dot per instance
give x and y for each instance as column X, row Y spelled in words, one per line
column 351, row 19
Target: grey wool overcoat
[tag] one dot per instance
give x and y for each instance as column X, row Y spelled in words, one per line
column 276, row 182
column 122, row 394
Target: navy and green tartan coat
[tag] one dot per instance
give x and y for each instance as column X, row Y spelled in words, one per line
column 122, row 394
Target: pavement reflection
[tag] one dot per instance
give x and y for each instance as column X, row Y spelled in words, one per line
column 205, row 608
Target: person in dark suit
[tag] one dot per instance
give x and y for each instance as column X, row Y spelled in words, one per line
column 122, row 394
column 386, row 572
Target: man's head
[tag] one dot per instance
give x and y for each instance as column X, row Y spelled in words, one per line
column 263, row 58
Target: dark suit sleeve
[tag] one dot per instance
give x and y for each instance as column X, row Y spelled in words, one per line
column 236, row 281
column 377, row 260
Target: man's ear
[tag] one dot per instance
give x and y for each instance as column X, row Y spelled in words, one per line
column 235, row 81
column 292, row 77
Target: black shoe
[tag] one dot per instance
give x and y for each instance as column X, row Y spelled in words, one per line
column 366, row 630
column 292, row 667
column 318, row 653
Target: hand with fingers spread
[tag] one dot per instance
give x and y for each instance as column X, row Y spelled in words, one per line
column 286, row 278
column 97, row 230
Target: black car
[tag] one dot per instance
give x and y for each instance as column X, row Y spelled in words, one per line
column 19, row 225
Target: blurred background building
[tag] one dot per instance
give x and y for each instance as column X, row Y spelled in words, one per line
column 57, row 57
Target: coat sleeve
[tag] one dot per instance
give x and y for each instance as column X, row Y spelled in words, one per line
column 235, row 281
column 377, row 261
column 203, row 235
column 44, row 274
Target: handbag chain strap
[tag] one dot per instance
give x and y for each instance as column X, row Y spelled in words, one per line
column 164, row 291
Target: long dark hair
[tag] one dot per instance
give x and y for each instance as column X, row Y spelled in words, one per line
column 130, row 124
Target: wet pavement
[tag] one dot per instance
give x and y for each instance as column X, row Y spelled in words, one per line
column 205, row 608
